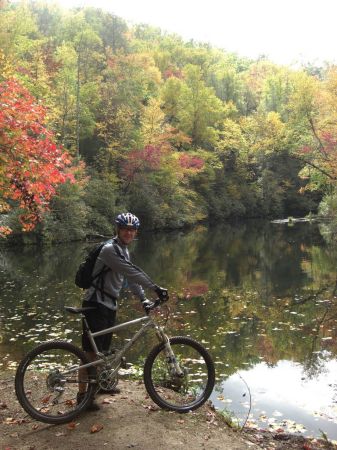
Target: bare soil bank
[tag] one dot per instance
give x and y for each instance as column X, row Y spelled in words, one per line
column 131, row 420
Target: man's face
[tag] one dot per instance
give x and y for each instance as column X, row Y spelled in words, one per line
column 126, row 234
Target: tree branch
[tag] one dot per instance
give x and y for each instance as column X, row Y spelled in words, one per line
column 321, row 147
column 331, row 177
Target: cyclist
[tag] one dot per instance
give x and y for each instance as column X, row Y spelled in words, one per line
column 115, row 267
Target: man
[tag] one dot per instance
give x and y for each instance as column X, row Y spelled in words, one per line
column 112, row 268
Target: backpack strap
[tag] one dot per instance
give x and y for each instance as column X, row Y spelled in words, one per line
column 106, row 269
column 99, row 277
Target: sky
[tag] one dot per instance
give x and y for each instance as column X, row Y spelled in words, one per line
column 286, row 31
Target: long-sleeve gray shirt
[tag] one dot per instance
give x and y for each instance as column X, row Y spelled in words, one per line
column 120, row 269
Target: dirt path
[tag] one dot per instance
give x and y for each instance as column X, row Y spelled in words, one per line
column 131, row 420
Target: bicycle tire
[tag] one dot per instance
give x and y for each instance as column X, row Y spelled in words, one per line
column 35, row 374
column 163, row 395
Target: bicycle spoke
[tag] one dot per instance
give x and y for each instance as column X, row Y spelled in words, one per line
column 48, row 380
column 187, row 389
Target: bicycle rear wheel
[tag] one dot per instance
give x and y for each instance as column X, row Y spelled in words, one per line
column 180, row 393
column 46, row 382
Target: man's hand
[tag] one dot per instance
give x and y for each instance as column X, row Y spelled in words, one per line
column 147, row 305
column 162, row 293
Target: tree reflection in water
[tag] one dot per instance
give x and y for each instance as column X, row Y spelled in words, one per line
column 251, row 292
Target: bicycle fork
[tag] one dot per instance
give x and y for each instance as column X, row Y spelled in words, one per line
column 172, row 362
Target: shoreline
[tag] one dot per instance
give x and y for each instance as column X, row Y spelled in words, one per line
column 131, row 419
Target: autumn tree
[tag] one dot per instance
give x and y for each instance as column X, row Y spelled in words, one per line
column 32, row 165
column 201, row 111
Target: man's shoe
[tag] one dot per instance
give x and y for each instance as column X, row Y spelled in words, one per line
column 93, row 406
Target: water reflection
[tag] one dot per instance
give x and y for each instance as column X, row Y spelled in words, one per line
column 257, row 294
column 283, row 397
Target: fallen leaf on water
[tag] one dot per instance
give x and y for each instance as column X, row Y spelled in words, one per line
column 96, row 428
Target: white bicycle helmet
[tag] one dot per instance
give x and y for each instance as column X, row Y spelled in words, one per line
column 127, row 220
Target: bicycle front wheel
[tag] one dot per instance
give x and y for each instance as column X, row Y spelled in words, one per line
column 47, row 381
column 184, row 392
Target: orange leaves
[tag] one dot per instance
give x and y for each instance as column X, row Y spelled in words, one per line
column 4, row 231
column 32, row 164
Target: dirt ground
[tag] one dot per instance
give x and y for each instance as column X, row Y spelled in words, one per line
column 132, row 420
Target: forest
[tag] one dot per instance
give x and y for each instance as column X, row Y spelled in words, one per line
column 98, row 116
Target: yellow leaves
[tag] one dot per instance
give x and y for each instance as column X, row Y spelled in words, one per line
column 152, row 123
column 304, row 90
column 231, row 138
column 6, row 69
column 4, row 207
column 264, row 133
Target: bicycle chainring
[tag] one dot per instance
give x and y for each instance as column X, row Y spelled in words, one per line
column 107, row 379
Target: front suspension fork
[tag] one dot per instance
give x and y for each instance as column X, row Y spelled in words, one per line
column 172, row 362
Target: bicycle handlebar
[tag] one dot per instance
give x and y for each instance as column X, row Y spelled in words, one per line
column 155, row 304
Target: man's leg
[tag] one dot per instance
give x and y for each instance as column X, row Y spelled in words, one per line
column 83, row 374
column 95, row 324
column 97, row 319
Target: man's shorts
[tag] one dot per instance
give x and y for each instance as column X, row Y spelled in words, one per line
column 98, row 319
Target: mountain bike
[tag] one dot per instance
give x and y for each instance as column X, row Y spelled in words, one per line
column 178, row 373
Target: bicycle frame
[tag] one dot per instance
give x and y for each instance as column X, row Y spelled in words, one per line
column 147, row 323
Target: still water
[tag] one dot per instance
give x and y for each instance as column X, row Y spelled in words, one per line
column 260, row 296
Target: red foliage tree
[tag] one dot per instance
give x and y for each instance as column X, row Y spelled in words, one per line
column 140, row 160
column 191, row 162
column 31, row 164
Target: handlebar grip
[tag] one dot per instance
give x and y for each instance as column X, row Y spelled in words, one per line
column 157, row 303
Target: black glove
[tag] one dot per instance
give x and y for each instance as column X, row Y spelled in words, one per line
column 162, row 293
column 147, row 305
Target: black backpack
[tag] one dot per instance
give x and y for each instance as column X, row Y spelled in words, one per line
column 83, row 277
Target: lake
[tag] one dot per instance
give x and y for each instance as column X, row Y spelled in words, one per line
column 260, row 296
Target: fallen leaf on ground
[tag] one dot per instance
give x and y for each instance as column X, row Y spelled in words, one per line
column 70, row 402
column 46, row 399
column 96, row 428
column 71, row 425
column 151, row 407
